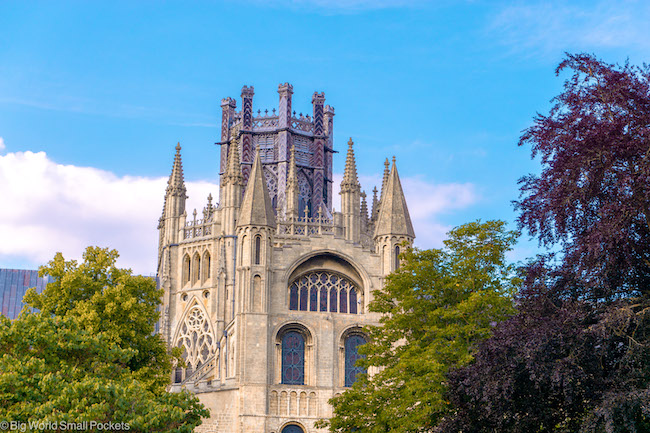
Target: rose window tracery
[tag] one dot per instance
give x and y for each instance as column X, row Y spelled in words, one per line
column 195, row 338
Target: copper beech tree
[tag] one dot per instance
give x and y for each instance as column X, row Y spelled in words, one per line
column 576, row 357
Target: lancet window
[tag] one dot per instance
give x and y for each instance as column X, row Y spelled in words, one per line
column 324, row 291
column 293, row 358
column 352, row 355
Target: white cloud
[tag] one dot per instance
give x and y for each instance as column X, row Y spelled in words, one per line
column 2, row 144
column 49, row 207
column 550, row 28
column 427, row 203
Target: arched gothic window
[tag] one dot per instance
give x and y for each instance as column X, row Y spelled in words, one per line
column 292, row 428
column 258, row 249
column 196, row 268
column 324, row 291
column 186, row 269
column 293, row 358
column 396, row 257
column 352, row 344
column 196, row 339
column 206, row 266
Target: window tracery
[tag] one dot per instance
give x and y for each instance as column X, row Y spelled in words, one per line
column 196, row 339
column 324, row 291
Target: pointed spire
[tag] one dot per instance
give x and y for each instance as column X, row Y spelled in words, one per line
column 350, row 181
column 384, row 181
column 256, row 208
column 375, row 205
column 176, row 182
column 233, row 171
column 394, row 218
column 364, row 207
column 175, row 194
column 292, row 187
column 208, row 209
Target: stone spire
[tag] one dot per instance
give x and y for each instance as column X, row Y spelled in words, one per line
column 175, row 194
column 351, row 198
column 374, row 213
column 384, row 180
column 350, row 181
column 292, row 187
column 256, row 207
column 232, row 189
column 364, row 211
column 233, row 170
column 394, row 218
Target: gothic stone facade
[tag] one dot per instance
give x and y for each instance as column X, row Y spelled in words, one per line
column 267, row 292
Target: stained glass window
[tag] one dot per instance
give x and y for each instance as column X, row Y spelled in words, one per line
column 323, row 298
column 293, row 358
column 313, row 299
column 351, row 356
column 324, row 291
column 292, row 428
column 293, row 297
column 353, row 301
column 303, row 298
column 333, row 301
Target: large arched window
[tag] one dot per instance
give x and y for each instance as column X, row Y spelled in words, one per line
column 324, row 291
column 293, row 358
column 352, row 343
column 292, row 428
column 396, row 257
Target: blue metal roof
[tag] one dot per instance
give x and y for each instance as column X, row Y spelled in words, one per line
column 13, row 286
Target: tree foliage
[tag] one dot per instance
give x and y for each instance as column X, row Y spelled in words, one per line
column 576, row 357
column 435, row 309
column 593, row 195
column 84, row 350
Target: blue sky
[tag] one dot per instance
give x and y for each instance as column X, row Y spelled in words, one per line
column 95, row 95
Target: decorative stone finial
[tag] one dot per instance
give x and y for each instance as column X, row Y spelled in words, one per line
column 350, row 181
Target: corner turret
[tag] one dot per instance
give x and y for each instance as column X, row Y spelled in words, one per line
column 393, row 226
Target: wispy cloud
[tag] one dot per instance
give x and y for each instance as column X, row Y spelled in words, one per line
column 550, row 28
column 53, row 207
column 69, row 104
column 2, row 144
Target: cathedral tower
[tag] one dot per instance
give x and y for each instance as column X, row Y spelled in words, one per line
column 267, row 292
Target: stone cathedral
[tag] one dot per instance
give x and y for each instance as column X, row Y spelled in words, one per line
column 267, row 291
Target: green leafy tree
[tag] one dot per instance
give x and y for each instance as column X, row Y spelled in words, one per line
column 84, row 350
column 435, row 310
